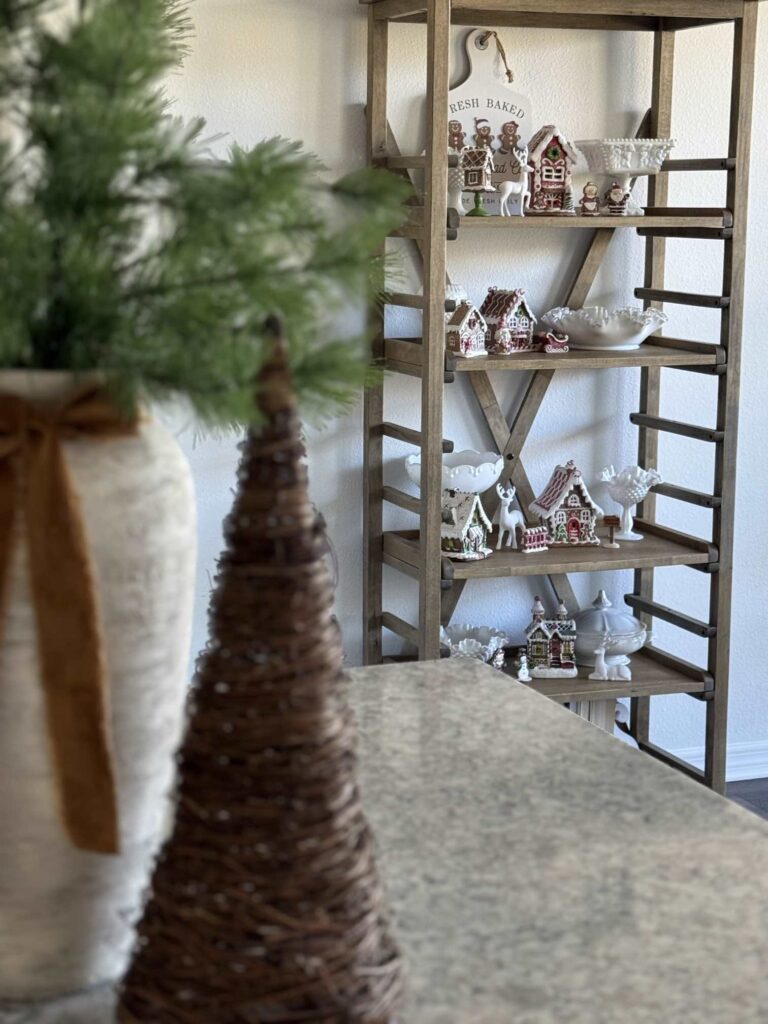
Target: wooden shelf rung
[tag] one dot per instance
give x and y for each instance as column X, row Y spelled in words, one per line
column 723, row 214
column 399, row 626
column 408, row 163
column 679, row 619
column 699, row 498
column 678, row 537
column 713, row 234
column 718, row 163
column 409, row 436
column 673, row 762
column 715, row 350
column 414, row 226
column 682, row 298
column 413, row 301
column 681, row 666
column 642, row 419
column 400, row 498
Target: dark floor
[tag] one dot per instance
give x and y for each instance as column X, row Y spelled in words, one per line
column 752, row 794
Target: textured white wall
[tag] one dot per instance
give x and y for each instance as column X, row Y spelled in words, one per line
column 265, row 67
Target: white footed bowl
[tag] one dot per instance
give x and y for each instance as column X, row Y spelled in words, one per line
column 468, row 471
column 625, row 156
column 598, row 328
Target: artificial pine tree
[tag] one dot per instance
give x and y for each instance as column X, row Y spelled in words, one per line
column 265, row 903
column 126, row 247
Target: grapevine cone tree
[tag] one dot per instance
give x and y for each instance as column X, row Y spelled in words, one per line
column 265, row 903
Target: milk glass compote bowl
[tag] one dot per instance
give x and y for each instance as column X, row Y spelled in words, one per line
column 624, row 159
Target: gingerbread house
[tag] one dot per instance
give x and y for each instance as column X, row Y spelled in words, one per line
column 551, row 643
column 477, row 166
column 510, row 321
column 566, row 508
column 552, row 157
column 466, row 331
column 465, row 526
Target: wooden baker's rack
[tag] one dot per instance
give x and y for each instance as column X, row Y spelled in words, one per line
column 416, row 553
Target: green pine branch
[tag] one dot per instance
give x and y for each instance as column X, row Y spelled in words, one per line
column 125, row 247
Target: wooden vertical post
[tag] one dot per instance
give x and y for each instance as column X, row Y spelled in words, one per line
column 660, row 126
column 744, row 42
column 435, row 214
column 373, row 409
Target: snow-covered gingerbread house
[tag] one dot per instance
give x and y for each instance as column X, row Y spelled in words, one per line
column 476, row 164
column 465, row 526
column 566, row 508
column 551, row 643
column 466, row 331
column 552, row 157
column 510, row 321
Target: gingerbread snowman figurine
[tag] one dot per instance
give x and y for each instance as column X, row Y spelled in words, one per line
column 616, row 200
column 590, row 200
column 456, row 136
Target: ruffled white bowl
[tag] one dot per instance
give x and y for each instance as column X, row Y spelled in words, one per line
column 479, row 642
column 611, row 330
column 468, row 471
column 625, row 156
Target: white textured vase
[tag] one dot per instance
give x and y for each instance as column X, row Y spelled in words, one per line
column 66, row 917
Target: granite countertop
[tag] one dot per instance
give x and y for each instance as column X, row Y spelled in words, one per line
column 543, row 872
column 540, row 871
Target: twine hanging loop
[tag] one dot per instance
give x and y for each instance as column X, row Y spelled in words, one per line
column 502, row 52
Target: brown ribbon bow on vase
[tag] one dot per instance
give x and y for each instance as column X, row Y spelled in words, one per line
column 38, row 504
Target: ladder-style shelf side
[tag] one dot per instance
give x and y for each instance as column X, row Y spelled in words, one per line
column 416, row 553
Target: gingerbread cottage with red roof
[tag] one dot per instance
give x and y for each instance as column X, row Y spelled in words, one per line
column 566, row 508
column 552, row 157
column 510, row 320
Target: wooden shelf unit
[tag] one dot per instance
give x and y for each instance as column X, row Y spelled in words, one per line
column 432, row 227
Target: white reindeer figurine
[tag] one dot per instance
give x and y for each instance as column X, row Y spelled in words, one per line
column 605, row 671
column 518, row 185
column 509, row 518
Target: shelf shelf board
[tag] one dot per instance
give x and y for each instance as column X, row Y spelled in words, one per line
column 577, row 14
column 650, row 678
column 404, row 355
column 713, row 221
column 647, row 355
column 651, row 552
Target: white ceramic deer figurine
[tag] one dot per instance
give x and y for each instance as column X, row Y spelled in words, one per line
column 509, row 518
column 518, row 185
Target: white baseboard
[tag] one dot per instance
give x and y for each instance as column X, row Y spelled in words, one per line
column 743, row 761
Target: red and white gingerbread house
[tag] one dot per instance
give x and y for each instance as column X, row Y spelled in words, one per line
column 566, row 508
column 510, row 321
column 552, row 157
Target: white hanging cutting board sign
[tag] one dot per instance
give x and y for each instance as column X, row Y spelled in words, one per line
column 485, row 110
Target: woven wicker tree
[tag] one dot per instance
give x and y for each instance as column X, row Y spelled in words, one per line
column 265, row 904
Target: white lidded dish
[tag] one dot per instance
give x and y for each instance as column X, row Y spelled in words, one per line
column 602, row 625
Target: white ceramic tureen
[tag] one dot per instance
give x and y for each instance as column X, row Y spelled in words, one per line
column 610, row 330
column 468, row 471
column 479, row 642
column 602, row 625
